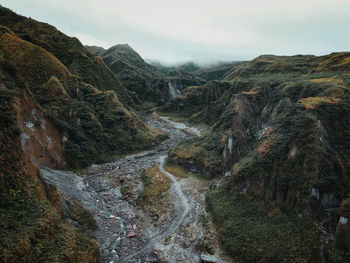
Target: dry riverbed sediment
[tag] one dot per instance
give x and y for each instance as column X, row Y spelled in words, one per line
column 183, row 232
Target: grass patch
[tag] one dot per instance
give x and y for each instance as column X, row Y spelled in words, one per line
column 184, row 152
column 33, row 231
column 83, row 216
column 313, row 102
column 155, row 194
column 179, row 171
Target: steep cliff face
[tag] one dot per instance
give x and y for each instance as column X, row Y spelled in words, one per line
column 200, row 103
column 53, row 117
column 32, row 224
column 149, row 85
column 64, row 117
column 282, row 135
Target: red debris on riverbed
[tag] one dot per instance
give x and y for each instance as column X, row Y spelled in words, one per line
column 132, row 234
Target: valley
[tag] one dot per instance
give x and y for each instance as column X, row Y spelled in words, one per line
column 127, row 233
column 109, row 157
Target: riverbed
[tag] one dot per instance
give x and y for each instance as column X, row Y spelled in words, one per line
column 127, row 233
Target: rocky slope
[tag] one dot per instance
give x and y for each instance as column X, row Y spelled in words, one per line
column 33, row 226
column 280, row 127
column 61, row 107
column 86, row 124
column 216, row 71
column 151, row 86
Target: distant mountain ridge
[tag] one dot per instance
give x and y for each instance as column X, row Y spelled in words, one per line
column 214, row 71
column 150, row 85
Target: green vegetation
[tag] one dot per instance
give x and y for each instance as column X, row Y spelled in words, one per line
column 68, row 50
column 177, row 170
column 83, row 216
column 32, row 227
column 33, row 231
column 96, row 126
column 51, row 80
column 254, row 231
column 155, row 197
column 217, row 71
column 199, row 155
column 145, row 82
column 281, row 126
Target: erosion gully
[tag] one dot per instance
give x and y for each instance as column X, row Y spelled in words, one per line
column 127, row 233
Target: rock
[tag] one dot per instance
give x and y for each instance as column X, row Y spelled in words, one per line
column 131, row 234
column 206, row 258
column 186, row 243
column 343, row 220
column 193, row 237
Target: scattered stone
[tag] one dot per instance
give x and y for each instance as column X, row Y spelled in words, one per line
column 206, row 258
column 29, row 124
column 131, row 234
column 118, row 230
column 186, row 244
column 193, row 238
column 343, row 220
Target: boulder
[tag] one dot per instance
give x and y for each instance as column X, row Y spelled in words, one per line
column 206, row 258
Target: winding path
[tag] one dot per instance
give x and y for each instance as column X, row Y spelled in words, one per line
column 182, row 208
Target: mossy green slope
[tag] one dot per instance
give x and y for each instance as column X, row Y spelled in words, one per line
column 281, row 126
column 95, row 124
column 147, row 83
column 79, row 60
column 33, row 228
column 52, row 117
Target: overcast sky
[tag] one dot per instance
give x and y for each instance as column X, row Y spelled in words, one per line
column 203, row 31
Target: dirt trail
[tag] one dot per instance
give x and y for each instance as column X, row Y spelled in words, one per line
column 181, row 206
column 126, row 233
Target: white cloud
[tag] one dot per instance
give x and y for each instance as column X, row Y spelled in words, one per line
column 88, row 39
column 200, row 29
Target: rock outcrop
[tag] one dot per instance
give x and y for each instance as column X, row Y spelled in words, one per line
column 280, row 126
